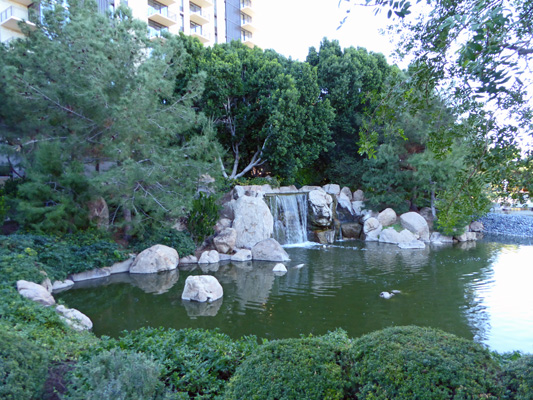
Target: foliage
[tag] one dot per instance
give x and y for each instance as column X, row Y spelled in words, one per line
column 518, row 378
column 197, row 363
column 179, row 241
column 57, row 256
column 53, row 198
column 23, row 367
column 310, row 368
column 413, row 362
column 103, row 94
column 203, row 217
column 265, row 108
column 115, row 374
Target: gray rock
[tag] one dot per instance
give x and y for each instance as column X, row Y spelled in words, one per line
column 325, row 237
column 476, row 226
column 253, row 221
column 308, row 188
column 224, row 257
column 415, row 223
column 344, row 206
column 288, row 189
column 269, row 250
column 74, row 318
column 35, row 292
column 439, row 238
column 280, row 268
column 372, row 228
column 225, row 240
column 222, row 224
column 387, row 217
column 96, row 273
column 155, row 259
column 121, row 267
column 358, row 207
column 358, row 195
column 351, row 230
column 242, row 255
column 391, row 235
column 59, row 286
column 332, row 188
column 202, row 288
column 238, row 192
column 47, row 284
column 467, row 237
column 320, row 210
column 209, row 257
column 347, row 192
column 189, row 260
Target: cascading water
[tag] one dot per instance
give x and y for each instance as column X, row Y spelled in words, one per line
column 290, row 217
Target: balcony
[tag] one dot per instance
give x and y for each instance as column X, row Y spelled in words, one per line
column 199, row 16
column 247, row 7
column 167, row 2
column 247, row 38
column 25, row 3
column 160, row 14
column 204, row 3
column 198, row 32
column 11, row 16
column 156, row 32
column 246, row 23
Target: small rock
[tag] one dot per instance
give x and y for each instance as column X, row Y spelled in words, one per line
column 280, row 268
column 386, row 295
column 59, row 286
column 242, row 255
column 121, row 267
column 189, row 260
column 74, row 318
column 209, row 257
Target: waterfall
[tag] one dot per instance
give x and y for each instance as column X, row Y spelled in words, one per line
column 290, row 217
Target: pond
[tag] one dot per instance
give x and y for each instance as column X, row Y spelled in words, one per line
column 477, row 290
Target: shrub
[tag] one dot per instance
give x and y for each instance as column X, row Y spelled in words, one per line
column 60, row 256
column 308, row 368
column 518, row 378
column 195, row 362
column 23, row 367
column 179, row 241
column 203, row 217
column 422, row 363
column 116, row 375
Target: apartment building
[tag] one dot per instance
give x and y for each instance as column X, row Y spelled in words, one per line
column 211, row 21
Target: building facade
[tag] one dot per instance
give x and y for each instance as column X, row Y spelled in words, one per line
column 211, row 21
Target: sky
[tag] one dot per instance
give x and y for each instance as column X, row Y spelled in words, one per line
column 292, row 26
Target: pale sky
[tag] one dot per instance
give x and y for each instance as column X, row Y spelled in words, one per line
column 292, row 26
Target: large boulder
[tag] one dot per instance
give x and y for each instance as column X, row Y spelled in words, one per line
column 358, row 207
column 391, row 235
column 351, row 230
column 415, row 223
column 347, row 192
column 358, row 195
column 202, row 288
column 320, row 210
column 155, row 259
column 325, row 237
column 387, row 217
column 269, row 250
column 253, row 221
column 74, row 318
column 344, row 207
column 225, row 240
column 35, row 292
column 372, row 228
column 477, row 226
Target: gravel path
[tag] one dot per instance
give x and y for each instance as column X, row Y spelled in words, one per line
column 512, row 225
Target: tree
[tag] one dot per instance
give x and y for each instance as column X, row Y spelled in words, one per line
column 349, row 79
column 265, row 108
column 105, row 94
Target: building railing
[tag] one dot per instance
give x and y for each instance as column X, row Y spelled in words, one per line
column 162, row 11
column 13, row 12
column 155, row 32
column 199, row 31
column 246, row 3
column 201, row 13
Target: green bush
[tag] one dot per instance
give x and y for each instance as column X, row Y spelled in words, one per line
column 203, row 217
column 23, row 367
column 196, row 363
column 518, row 378
column 422, row 363
column 308, row 368
column 59, row 256
column 179, row 241
column 116, row 375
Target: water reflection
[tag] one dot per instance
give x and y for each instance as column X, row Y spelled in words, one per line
column 476, row 291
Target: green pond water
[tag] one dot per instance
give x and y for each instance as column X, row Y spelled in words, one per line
column 480, row 290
